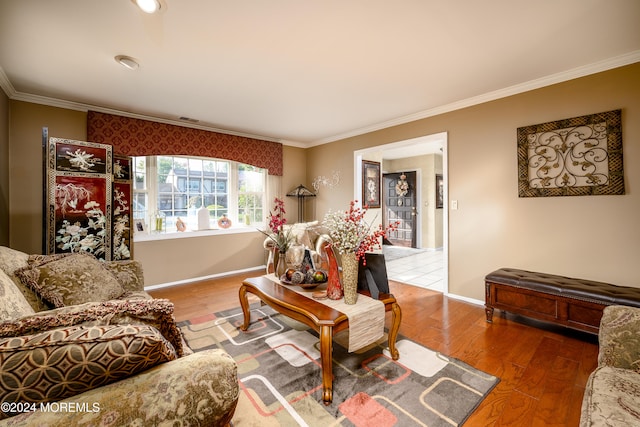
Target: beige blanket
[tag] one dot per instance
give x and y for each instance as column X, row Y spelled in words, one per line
column 366, row 316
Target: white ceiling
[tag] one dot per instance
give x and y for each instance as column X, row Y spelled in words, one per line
column 304, row 72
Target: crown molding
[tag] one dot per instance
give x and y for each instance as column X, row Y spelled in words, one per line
column 597, row 67
column 6, row 85
column 8, row 88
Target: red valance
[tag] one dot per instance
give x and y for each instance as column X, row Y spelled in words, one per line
column 137, row 137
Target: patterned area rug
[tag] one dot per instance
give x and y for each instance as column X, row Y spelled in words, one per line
column 281, row 382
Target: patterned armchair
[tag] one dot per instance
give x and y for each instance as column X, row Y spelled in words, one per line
column 81, row 343
column 612, row 394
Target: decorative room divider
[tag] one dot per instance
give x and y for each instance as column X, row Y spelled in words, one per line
column 87, row 199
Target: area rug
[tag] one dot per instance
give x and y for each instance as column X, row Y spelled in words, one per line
column 281, row 379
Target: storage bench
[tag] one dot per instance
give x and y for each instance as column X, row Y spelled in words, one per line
column 573, row 303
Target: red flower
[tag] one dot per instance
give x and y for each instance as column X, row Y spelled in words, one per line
column 277, row 221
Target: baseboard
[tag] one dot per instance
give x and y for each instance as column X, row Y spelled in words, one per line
column 466, row 299
column 201, row 278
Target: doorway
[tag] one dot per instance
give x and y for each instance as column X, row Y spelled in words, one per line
column 413, row 271
column 399, row 206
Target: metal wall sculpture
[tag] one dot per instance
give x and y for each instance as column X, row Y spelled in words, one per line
column 573, row 157
column 80, row 197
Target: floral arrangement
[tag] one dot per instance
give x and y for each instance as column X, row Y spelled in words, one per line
column 350, row 233
column 280, row 238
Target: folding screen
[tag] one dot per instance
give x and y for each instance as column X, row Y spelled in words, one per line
column 86, row 209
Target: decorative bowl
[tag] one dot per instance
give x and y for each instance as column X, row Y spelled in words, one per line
column 302, row 285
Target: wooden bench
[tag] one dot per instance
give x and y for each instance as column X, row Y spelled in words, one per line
column 573, row 303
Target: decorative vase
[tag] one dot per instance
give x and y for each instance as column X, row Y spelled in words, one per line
column 350, row 277
column 203, row 218
column 224, row 221
column 281, row 263
column 334, row 287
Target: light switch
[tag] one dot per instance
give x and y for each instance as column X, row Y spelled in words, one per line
column 454, row 205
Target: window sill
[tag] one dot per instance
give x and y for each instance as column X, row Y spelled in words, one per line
column 148, row 237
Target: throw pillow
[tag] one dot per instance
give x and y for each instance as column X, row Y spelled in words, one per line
column 129, row 273
column 154, row 312
column 69, row 279
column 302, row 233
column 11, row 260
column 13, row 304
column 73, row 360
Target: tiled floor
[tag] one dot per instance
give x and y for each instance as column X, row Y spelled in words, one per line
column 422, row 268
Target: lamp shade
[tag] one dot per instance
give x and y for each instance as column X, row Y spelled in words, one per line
column 300, row 191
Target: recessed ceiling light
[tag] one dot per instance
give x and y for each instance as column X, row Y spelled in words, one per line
column 127, row 62
column 148, row 6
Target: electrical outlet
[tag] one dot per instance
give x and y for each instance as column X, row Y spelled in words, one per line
column 454, row 205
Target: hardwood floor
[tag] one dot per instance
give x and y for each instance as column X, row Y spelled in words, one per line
column 543, row 368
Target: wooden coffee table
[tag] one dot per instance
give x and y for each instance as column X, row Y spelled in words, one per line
column 322, row 318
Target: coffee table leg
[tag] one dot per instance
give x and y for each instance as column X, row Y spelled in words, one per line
column 244, row 303
column 326, row 355
column 395, row 327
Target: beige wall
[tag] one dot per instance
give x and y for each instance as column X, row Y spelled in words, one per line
column 176, row 260
column 25, row 165
column 594, row 237
column 4, row 169
column 293, row 175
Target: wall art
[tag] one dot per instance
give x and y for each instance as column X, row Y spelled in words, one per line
column 439, row 192
column 371, row 184
column 79, row 194
column 122, row 211
column 572, row 157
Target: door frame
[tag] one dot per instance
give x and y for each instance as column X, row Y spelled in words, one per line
column 433, row 139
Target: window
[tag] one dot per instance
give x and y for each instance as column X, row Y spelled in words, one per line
column 175, row 187
column 251, row 193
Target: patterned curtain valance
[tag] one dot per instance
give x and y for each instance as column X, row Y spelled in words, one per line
column 137, row 137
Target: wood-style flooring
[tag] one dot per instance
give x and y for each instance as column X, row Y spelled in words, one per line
column 543, row 368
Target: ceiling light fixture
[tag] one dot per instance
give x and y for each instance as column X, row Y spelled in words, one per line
column 127, row 62
column 148, row 6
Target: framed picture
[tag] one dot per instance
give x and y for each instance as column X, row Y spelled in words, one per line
column 139, row 227
column 580, row 156
column 371, row 184
column 439, row 192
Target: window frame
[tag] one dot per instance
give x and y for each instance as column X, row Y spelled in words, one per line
column 151, row 192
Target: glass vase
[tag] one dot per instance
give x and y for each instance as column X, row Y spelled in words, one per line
column 350, row 277
column 281, row 263
column 334, row 287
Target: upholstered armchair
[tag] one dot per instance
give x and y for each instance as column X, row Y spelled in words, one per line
column 612, row 394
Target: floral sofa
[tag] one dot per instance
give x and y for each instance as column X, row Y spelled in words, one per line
column 612, row 394
column 81, row 343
